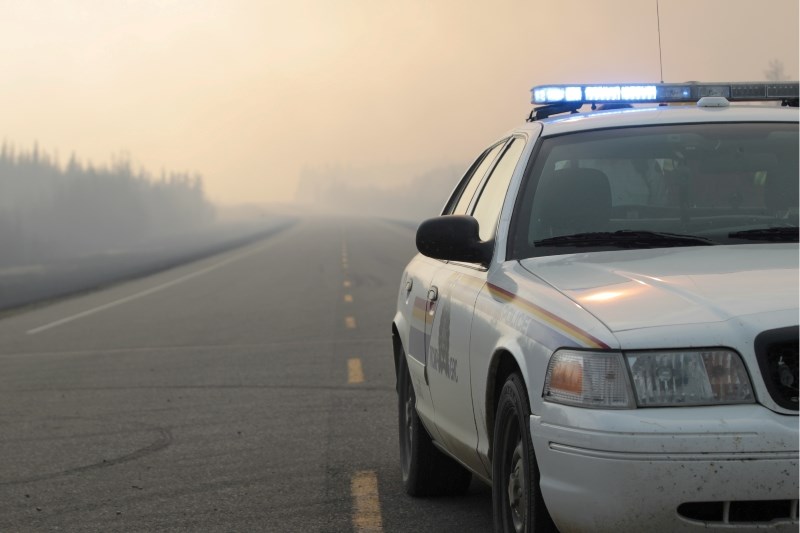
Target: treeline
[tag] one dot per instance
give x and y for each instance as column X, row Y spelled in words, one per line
column 49, row 211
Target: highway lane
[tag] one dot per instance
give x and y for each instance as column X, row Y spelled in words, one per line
column 249, row 391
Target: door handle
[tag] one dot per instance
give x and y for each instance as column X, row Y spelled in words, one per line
column 433, row 294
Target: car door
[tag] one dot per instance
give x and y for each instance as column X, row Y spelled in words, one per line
column 451, row 300
column 418, row 300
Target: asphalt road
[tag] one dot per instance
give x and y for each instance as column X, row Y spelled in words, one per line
column 249, row 391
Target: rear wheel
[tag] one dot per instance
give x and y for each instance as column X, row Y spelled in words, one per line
column 517, row 503
column 426, row 470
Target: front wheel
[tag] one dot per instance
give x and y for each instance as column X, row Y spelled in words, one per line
column 426, row 470
column 517, row 503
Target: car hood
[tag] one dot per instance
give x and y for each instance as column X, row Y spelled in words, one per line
column 633, row 289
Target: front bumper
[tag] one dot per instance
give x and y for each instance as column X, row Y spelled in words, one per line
column 631, row 470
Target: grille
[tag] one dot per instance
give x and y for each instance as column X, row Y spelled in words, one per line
column 776, row 351
column 753, row 512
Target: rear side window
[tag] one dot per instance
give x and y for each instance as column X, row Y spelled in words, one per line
column 487, row 209
column 470, row 184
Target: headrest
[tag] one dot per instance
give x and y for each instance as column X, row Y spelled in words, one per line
column 573, row 200
column 781, row 190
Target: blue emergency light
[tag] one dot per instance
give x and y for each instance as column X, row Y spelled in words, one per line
column 639, row 93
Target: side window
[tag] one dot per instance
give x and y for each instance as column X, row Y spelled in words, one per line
column 468, row 190
column 490, row 203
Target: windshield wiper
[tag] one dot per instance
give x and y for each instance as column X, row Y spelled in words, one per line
column 626, row 239
column 775, row 234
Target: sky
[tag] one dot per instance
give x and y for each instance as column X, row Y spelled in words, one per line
column 252, row 93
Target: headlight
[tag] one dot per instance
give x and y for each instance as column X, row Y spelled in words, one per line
column 588, row 379
column 650, row 379
column 701, row 377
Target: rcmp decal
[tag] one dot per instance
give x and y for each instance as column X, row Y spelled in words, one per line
column 422, row 319
column 439, row 356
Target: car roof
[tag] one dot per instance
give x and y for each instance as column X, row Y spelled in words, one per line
column 657, row 115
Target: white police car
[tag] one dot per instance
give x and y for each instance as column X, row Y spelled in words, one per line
column 603, row 323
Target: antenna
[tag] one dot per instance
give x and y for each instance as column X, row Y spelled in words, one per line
column 660, row 60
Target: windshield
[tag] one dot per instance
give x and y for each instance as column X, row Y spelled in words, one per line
column 656, row 186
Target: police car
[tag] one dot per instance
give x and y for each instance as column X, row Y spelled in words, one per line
column 603, row 322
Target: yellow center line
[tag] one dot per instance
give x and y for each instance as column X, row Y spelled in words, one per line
column 350, row 322
column 348, row 298
column 355, row 374
column 366, row 503
column 346, row 284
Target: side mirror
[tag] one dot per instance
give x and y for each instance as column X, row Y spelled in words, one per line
column 453, row 238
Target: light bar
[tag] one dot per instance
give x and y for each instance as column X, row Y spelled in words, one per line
column 637, row 93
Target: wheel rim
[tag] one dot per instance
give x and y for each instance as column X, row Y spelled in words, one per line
column 408, row 423
column 517, row 497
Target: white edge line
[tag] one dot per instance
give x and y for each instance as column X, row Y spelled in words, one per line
column 144, row 293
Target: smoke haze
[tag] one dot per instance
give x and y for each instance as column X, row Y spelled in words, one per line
column 253, row 93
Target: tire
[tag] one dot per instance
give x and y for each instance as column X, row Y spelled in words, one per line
column 426, row 470
column 517, row 503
